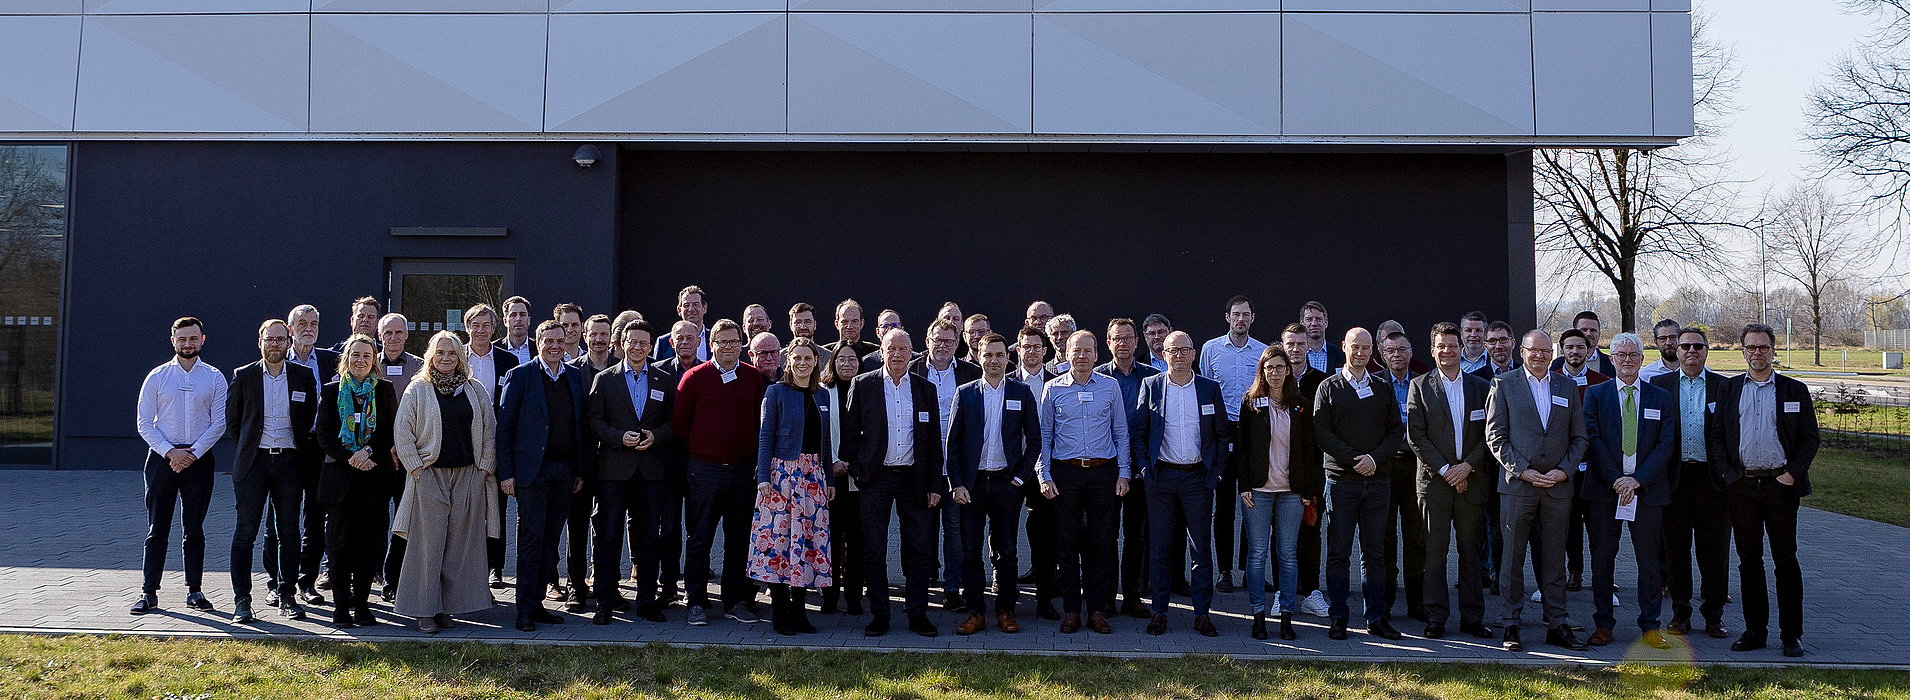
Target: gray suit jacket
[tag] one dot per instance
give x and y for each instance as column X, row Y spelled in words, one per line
column 1429, row 423
column 1516, row 439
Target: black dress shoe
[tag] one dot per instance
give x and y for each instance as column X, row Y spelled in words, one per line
column 545, row 616
column 602, row 617
column 919, row 624
column 1792, row 648
column 877, row 627
column 1337, row 631
column 197, row 601
column 308, row 596
column 1046, row 611
column 1158, row 626
column 1418, row 613
column 524, row 623
column 1260, row 625
column 953, row 602
column 1574, row 582
column 1205, row 626
column 361, row 615
column 650, row 611
column 1716, row 630
column 291, row 610
column 1561, row 636
column 1476, row 629
column 1136, row 609
column 1511, row 640
column 1383, row 630
column 1679, row 625
column 145, row 604
column 341, row 618
column 1435, row 630
column 242, row 612
column 1225, row 584
column 575, row 603
column 1748, row 642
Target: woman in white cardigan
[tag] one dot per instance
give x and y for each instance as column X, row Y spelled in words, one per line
column 445, row 436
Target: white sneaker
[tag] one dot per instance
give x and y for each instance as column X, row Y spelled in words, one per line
column 1314, row 604
column 1615, row 602
column 1535, row 596
column 698, row 618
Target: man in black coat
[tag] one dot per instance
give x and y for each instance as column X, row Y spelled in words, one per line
column 322, row 363
column 629, row 409
column 271, row 406
column 1697, row 517
column 897, row 468
column 993, row 442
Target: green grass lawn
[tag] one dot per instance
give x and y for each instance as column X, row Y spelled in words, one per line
column 1730, row 360
column 1860, row 483
column 79, row 666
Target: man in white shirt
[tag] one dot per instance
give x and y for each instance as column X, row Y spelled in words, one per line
column 517, row 330
column 1665, row 334
column 181, row 416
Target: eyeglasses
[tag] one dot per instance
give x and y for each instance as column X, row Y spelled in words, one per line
column 890, row 325
column 1692, row 346
column 1758, row 348
column 1177, row 351
column 1628, row 356
column 727, row 343
column 275, row 340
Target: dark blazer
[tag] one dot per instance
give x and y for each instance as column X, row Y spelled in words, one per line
column 1020, row 432
column 1604, row 453
column 1047, row 375
column 865, row 429
column 245, row 412
column 337, row 480
column 1347, row 426
column 1713, row 383
column 674, row 366
column 1429, row 423
column 327, row 365
column 663, row 350
column 1488, row 373
column 1599, row 361
column 1796, row 431
column 965, row 371
column 523, row 425
column 1251, row 458
column 779, row 432
column 612, row 414
column 1214, row 426
column 1310, row 385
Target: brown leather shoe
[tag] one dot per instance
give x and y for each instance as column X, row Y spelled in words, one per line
column 1005, row 621
column 1679, row 626
column 974, row 623
column 1600, row 637
column 1715, row 630
column 1071, row 623
column 1135, row 608
column 1099, row 623
column 1205, row 626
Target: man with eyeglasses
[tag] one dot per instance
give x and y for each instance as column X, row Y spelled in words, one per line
column 1499, row 357
column 1230, row 360
column 1535, row 429
column 717, row 410
column 1135, row 586
column 1031, row 347
column 1697, row 517
column 885, row 321
column 1666, row 335
column 766, row 353
column 946, row 373
column 1761, row 446
column 1630, row 442
column 271, row 406
column 1154, row 330
column 1085, row 467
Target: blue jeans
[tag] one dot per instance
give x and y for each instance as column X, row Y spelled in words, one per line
column 1361, row 504
column 1273, row 519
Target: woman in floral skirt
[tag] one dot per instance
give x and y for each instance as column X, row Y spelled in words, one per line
column 789, row 543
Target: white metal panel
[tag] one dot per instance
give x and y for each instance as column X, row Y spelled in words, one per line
column 1592, row 72
column 1407, row 74
column 914, row 73
column 140, row 7
column 1591, row 5
column 430, row 6
column 1156, row 5
column 42, row 55
column 40, row 7
column 193, row 73
column 1408, row 5
column 428, row 73
column 1180, row 73
column 912, row 5
column 1671, row 87
column 560, row 6
column 1671, row 5
column 691, row 73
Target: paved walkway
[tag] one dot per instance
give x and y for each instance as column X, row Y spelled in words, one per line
column 70, row 549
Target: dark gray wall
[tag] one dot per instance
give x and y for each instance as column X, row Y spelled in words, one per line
column 238, row 232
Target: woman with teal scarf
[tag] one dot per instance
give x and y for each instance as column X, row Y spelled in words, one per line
column 355, row 415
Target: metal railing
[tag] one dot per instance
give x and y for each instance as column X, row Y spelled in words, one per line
column 1888, row 340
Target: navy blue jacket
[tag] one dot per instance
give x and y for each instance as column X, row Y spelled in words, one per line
column 1796, row 432
column 1020, row 432
column 779, row 433
column 523, row 426
column 1213, row 426
column 1604, row 449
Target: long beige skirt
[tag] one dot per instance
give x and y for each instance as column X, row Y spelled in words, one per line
column 445, row 565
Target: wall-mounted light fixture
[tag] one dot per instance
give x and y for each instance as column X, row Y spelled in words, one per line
column 586, row 155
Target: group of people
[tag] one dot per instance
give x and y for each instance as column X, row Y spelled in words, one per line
column 1135, row 476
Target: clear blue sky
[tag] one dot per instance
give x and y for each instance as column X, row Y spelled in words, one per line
column 1783, row 48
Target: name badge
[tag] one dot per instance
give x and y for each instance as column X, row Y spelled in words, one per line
column 298, row 396
column 1011, row 404
column 1207, row 409
column 729, row 376
column 656, row 394
column 1630, row 464
column 921, row 416
column 1651, row 414
column 357, row 418
column 1581, row 466
column 1477, row 414
column 187, row 388
column 1365, row 392
column 1260, row 402
column 1711, row 407
column 1086, row 396
column 1581, row 380
column 1793, row 406
column 395, row 370
column 1561, row 401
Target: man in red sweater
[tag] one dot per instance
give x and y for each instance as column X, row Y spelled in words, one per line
column 717, row 408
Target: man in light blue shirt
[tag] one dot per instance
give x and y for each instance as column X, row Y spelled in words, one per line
column 1230, row 360
column 1084, row 468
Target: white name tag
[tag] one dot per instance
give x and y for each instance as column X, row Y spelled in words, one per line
column 1207, row 409
column 1711, row 407
column 1011, row 404
column 1651, row 414
column 729, row 376
column 395, row 370
column 1477, row 414
column 1086, row 396
column 1630, row 464
column 1365, row 392
column 1260, row 402
column 1581, row 380
column 298, row 396
column 1793, row 406
column 656, row 394
column 186, row 388
column 1561, row 401
column 921, row 416
column 357, row 417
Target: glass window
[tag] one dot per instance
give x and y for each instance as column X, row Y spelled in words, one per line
column 32, row 251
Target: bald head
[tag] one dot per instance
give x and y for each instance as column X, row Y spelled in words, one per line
column 1358, row 346
column 1178, row 349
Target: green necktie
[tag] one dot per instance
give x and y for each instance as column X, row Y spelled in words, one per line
column 1630, row 431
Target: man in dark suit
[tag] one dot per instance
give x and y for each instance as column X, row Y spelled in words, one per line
column 897, row 468
column 1761, row 443
column 1127, row 369
column 1446, row 430
column 690, row 307
column 1031, row 348
column 323, row 365
column 993, row 442
column 1631, row 432
column 629, row 411
column 271, row 406
column 946, row 373
column 1697, row 517
column 1312, row 598
column 1586, row 322
column 1180, row 447
column 1500, row 358
column 849, row 332
column 541, row 458
column 594, row 356
column 1536, row 431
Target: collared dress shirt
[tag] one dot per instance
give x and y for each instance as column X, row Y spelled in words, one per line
column 1691, row 415
column 1180, row 432
column 1541, row 396
column 1083, row 421
column 178, row 406
column 277, row 430
column 637, row 382
column 1456, row 405
column 1317, row 359
column 900, row 407
column 1654, row 369
column 523, row 352
column 1472, row 365
column 1758, row 446
column 1233, row 367
column 994, row 457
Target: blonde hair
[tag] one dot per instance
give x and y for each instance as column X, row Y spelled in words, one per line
column 344, row 353
column 431, row 348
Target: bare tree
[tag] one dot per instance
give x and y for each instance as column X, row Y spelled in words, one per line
column 1860, row 117
column 1812, row 242
column 1621, row 209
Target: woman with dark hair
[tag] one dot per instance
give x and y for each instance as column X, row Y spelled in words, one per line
column 446, row 438
column 789, row 546
column 1279, row 475
column 354, row 430
column 845, row 543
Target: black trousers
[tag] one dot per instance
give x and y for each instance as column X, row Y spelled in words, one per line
column 165, row 490
column 1405, row 537
column 845, row 544
column 311, row 546
column 993, row 514
column 1043, row 543
column 1449, row 517
column 273, row 478
column 1136, row 541
column 395, row 548
column 1699, row 519
column 1182, row 508
column 1762, row 508
column 542, row 505
column 1088, row 520
column 355, row 532
column 888, row 491
column 724, row 493
column 577, row 535
column 1577, row 527
column 616, row 518
column 1647, row 536
column 674, row 509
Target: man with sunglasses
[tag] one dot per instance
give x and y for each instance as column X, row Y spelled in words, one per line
column 1697, row 518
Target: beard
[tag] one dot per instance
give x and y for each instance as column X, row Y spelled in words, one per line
column 275, row 356
column 187, row 354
